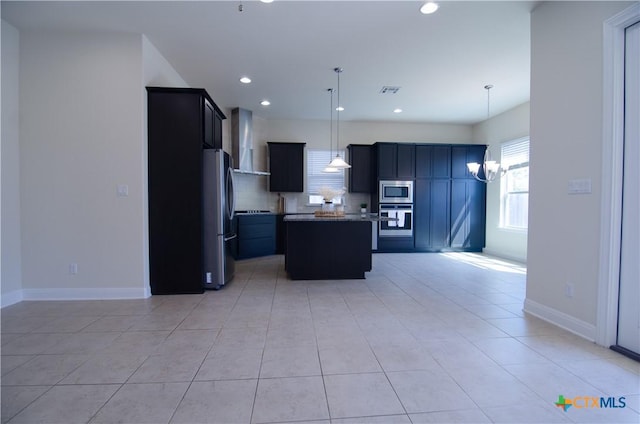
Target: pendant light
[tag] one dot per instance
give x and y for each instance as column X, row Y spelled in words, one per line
column 329, row 168
column 338, row 162
column 490, row 167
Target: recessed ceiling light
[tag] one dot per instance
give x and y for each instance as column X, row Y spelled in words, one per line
column 428, row 8
column 339, row 108
column 265, row 102
column 245, row 80
column 266, row 1
column 397, row 110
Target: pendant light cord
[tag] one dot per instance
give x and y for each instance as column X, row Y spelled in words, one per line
column 338, row 71
column 330, row 90
column 488, row 87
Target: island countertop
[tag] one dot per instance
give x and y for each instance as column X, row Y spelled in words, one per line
column 346, row 217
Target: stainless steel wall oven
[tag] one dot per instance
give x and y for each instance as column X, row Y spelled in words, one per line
column 401, row 224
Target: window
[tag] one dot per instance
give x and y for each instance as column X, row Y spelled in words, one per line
column 317, row 160
column 514, row 185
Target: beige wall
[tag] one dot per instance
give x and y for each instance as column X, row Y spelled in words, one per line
column 507, row 126
column 566, row 143
column 11, row 262
column 83, row 133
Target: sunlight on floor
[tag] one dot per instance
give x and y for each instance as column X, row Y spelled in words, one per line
column 486, row 262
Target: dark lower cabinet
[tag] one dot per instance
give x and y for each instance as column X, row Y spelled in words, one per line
column 328, row 250
column 395, row 244
column 256, row 235
column 281, row 235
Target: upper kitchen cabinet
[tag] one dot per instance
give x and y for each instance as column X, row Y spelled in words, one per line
column 286, row 165
column 179, row 126
column 463, row 154
column 212, row 124
column 395, row 160
column 206, row 118
column 361, row 171
column 433, row 161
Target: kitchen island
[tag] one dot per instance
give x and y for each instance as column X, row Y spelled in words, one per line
column 328, row 248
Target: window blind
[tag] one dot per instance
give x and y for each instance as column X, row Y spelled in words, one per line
column 317, row 160
column 515, row 153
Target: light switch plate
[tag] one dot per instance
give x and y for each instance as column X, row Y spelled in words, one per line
column 580, row 186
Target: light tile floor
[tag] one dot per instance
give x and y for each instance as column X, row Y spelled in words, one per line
column 425, row 338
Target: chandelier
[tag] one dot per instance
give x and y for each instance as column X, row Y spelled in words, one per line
column 490, row 168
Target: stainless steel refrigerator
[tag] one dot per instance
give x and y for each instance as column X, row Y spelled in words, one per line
column 218, row 207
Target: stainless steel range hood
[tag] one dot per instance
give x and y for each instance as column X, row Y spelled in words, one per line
column 242, row 141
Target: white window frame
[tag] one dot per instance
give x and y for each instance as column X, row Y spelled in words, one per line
column 317, row 160
column 513, row 158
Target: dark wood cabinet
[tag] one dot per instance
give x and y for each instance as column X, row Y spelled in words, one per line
column 449, row 202
column 281, row 235
column 468, row 214
column 212, row 121
column 406, row 161
column 286, row 167
column 176, row 136
column 432, row 214
column 361, row 171
column 433, row 161
column 395, row 161
column 256, row 235
column 463, row 154
column 328, row 249
column 468, row 199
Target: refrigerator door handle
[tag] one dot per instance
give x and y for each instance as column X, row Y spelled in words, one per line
column 231, row 196
column 230, row 237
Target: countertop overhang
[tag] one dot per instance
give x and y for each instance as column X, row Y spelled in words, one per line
column 346, row 217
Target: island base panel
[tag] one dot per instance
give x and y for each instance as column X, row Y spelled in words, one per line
column 328, row 250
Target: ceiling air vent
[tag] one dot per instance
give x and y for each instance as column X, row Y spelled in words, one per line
column 387, row 89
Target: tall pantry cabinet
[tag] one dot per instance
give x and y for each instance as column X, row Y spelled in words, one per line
column 449, row 202
column 181, row 123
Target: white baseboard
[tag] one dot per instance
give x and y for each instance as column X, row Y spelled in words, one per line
column 562, row 320
column 84, row 294
column 11, row 298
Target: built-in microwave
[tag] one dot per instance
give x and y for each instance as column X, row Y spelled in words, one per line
column 396, row 191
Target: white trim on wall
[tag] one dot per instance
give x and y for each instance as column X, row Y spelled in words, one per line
column 85, row 294
column 106, row 293
column 612, row 159
column 11, row 298
column 560, row 319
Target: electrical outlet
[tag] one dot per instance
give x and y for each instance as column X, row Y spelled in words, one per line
column 73, row 268
column 122, row 190
column 568, row 290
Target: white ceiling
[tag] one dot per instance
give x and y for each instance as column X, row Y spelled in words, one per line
column 289, row 49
